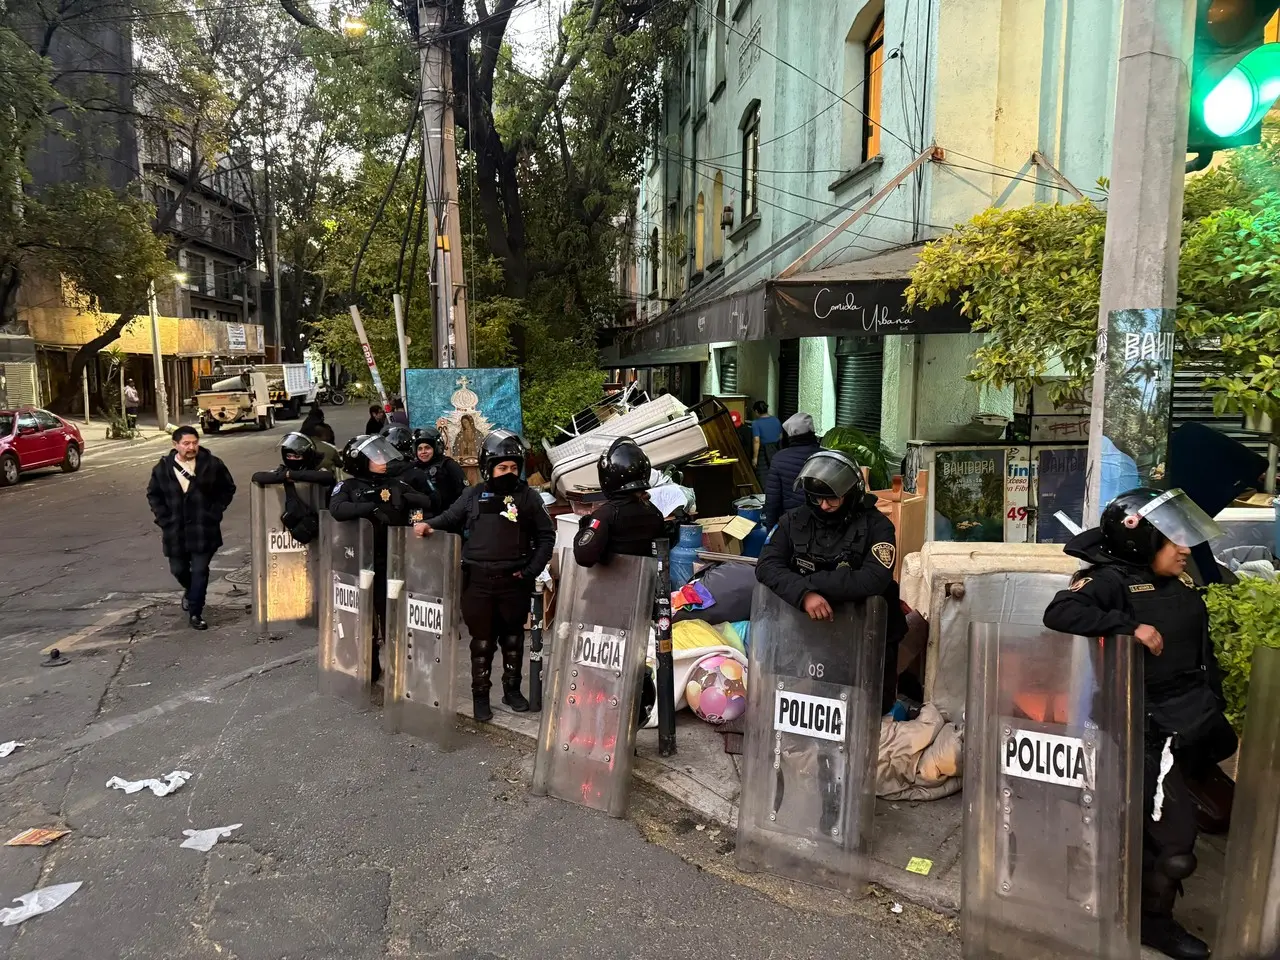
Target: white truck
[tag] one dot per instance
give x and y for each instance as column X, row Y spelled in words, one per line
column 290, row 385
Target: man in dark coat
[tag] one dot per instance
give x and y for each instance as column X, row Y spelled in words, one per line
column 799, row 443
column 190, row 490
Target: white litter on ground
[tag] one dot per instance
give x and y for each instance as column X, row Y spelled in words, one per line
column 171, row 782
column 203, row 840
column 896, row 908
column 37, row 902
column 8, row 748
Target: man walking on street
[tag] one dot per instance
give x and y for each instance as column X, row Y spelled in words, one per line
column 131, row 403
column 190, row 490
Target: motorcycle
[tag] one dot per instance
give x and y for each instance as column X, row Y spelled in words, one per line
column 330, row 395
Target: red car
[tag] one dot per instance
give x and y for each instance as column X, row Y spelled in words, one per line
column 31, row 439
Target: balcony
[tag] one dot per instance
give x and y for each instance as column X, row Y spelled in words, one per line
column 215, row 236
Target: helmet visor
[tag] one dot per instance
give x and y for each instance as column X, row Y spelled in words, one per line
column 1179, row 519
column 378, row 450
column 829, row 468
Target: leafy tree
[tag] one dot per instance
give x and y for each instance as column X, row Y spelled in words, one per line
column 1030, row 279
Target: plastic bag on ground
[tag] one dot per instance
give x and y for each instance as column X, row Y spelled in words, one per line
column 171, row 782
column 37, row 902
column 203, row 840
column 8, row 747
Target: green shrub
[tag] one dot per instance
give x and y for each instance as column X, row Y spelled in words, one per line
column 1242, row 616
column 867, row 450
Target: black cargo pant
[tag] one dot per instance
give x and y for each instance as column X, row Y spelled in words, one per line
column 495, row 606
column 1168, row 844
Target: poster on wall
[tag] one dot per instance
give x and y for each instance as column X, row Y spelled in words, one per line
column 236, row 342
column 464, row 405
column 1017, row 494
column 1060, row 477
column 969, row 498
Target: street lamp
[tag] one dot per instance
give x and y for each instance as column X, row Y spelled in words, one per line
column 352, row 26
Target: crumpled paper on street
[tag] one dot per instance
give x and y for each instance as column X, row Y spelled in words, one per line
column 37, row 902
column 171, row 782
column 203, row 840
column 8, row 747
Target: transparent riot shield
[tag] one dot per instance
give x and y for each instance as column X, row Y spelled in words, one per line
column 812, row 732
column 587, row 738
column 423, row 585
column 1249, row 922
column 346, row 609
column 285, row 572
column 1053, row 795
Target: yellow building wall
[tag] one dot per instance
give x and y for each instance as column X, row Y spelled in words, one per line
column 179, row 336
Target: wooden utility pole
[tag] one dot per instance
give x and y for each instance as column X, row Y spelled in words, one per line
column 440, row 186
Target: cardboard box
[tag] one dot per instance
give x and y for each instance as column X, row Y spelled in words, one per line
column 725, row 534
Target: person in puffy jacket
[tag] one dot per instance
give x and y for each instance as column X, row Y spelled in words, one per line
column 799, row 443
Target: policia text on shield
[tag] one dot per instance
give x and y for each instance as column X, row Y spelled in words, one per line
column 1137, row 584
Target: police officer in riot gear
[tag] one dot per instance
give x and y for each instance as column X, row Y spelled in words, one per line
column 400, row 437
column 301, row 461
column 626, row 523
column 835, row 548
column 431, row 466
column 375, row 493
column 1137, row 585
column 509, row 537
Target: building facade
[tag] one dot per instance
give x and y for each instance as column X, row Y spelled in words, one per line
column 780, row 122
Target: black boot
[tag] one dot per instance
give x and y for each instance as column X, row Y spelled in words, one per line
column 512, row 661
column 480, row 706
column 481, row 659
column 1167, row 935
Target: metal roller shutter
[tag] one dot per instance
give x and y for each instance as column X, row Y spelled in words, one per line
column 788, row 378
column 858, row 380
column 1193, row 404
column 727, row 363
column 18, row 385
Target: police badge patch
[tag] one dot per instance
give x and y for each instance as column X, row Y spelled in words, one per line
column 1080, row 584
column 884, row 552
column 385, row 494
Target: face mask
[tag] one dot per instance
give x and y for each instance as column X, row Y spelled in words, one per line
column 507, row 483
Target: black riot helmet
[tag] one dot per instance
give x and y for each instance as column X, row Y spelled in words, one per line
column 399, row 436
column 500, row 445
column 829, row 473
column 362, row 455
column 623, row 467
column 1136, row 524
column 298, row 452
column 431, row 437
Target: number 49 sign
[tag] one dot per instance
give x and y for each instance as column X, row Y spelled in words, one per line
column 1017, row 495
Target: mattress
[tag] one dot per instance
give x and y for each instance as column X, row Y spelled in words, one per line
column 663, row 443
column 656, row 411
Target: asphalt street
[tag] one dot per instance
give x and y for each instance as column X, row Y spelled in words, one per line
column 354, row 843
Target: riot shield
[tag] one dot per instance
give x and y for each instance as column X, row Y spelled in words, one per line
column 1249, row 922
column 285, row 571
column 812, row 732
column 1053, row 795
column 346, row 609
column 586, row 742
column 423, row 586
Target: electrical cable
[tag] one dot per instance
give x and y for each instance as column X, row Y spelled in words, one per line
column 418, row 176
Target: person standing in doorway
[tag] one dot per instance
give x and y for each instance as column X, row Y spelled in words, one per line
column 131, row 403
column 377, row 420
column 189, row 492
column 766, row 433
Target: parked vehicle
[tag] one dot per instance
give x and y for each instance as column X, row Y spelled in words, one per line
column 290, row 386
column 331, row 395
column 244, row 398
column 32, row 439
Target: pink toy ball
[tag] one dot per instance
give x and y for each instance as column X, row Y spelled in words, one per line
column 717, row 689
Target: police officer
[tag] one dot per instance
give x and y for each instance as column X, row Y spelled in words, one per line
column 400, row 437
column 509, row 539
column 626, row 523
column 443, row 472
column 300, row 462
column 373, row 492
column 1137, row 585
column 834, row 548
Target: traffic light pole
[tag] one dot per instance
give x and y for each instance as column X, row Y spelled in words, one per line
column 1133, row 375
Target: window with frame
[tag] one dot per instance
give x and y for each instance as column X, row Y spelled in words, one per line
column 722, row 42
column 872, row 87
column 200, row 313
column 653, row 261
column 191, row 214
column 700, row 234
column 47, row 420
column 196, row 270
column 750, row 161
column 702, row 73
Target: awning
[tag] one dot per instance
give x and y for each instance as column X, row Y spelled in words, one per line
column 859, row 299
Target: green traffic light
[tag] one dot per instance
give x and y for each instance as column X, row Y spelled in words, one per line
column 1242, row 98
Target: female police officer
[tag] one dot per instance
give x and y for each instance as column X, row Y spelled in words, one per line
column 1137, row 585
column 509, row 539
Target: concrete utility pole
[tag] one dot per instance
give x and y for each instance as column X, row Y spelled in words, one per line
column 440, row 186
column 275, row 284
column 157, row 359
column 1144, row 227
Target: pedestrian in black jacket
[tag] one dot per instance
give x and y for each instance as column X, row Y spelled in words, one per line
column 1137, row 585
column 509, row 539
column 189, row 491
column 315, row 427
column 799, row 443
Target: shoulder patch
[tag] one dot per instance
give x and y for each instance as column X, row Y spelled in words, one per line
column 336, row 487
column 586, row 536
column 1142, row 588
column 1080, row 584
column 595, row 524
column 1185, row 579
column 884, row 552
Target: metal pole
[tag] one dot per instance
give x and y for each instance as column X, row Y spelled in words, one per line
column 368, row 353
column 440, row 186
column 1144, row 227
column 398, row 302
column 84, row 380
column 275, row 282
column 157, row 361
column 535, row 649
column 666, row 663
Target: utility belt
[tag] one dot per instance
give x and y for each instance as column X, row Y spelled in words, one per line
column 489, row 571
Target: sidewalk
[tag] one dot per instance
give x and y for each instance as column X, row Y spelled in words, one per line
column 95, row 434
